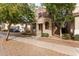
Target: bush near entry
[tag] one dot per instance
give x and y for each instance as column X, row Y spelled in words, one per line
column 66, row 36
column 73, row 37
column 45, row 35
column 76, row 37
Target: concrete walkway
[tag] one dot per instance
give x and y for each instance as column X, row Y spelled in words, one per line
column 72, row 51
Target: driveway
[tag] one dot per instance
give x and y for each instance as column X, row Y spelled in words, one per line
column 35, row 41
column 67, row 50
column 15, row 48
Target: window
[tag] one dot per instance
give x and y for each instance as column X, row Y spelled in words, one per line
column 46, row 25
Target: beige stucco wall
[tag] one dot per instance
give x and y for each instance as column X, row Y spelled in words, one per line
column 38, row 32
column 42, row 21
column 49, row 31
column 76, row 30
column 76, row 20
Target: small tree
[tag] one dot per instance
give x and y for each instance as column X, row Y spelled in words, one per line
column 60, row 13
column 28, row 15
column 12, row 14
column 64, row 15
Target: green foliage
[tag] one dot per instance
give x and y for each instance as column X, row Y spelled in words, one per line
column 45, row 35
column 32, row 6
column 66, row 36
column 76, row 37
column 12, row 12
column 60, row 12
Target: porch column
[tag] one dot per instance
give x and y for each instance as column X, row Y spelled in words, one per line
column 37, row 29
column 50, row 28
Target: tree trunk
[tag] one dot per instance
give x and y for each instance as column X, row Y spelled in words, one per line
column 54, row 27
column 25, row 29
column 8, row 33
column 32, row 29
column 54, row 30
column 60, row 32
column 42, row 29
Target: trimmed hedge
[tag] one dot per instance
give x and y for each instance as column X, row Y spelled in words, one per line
column 45, row 35
column 76, row 37
column 66, row 36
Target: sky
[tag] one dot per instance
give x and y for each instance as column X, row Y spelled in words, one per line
column 37, row 4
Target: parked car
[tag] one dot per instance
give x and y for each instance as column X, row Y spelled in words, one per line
column 14, row 30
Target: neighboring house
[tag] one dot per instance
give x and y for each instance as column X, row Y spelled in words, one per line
column 76, row 20
column 43, row 22
column 19, row 27
column 4, row 26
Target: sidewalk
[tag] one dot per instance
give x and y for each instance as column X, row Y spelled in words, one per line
column 52, row 46
column 60, row 41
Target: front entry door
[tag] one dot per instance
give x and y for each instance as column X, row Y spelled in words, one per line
column 40, row 29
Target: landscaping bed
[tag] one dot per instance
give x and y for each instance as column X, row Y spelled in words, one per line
column 58, row 40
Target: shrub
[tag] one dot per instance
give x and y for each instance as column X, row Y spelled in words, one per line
column 45, row 35
column 66, row 36
column 76, row 37
column 24, row 33
column 4, row 30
